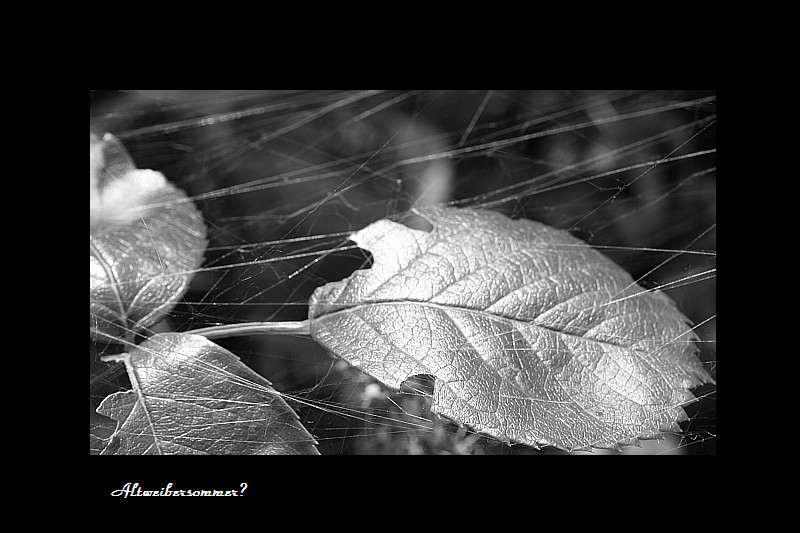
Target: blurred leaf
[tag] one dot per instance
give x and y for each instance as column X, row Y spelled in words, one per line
column 145, row 238
column 191, row 396
column 531, row 334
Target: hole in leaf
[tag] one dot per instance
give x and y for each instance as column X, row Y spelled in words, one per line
column 419, row 384
column 583, row 234
column 414, row 221
column 367, row 261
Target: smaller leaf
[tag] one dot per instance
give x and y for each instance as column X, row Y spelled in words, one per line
column 145, row 239
column 193, row 397
column 100, row 429
column 96, row 444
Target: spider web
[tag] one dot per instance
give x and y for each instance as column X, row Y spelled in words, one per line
column 283, row 177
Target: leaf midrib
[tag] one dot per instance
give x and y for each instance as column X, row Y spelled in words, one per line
column 141, row 396
column 524, row 392
column 111, row 276
column 446, row 308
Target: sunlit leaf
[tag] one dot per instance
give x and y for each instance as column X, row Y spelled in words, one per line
column 532, row 335
column 145, row 239
column 191, row 396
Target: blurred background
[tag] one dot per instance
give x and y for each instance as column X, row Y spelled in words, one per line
column 282, row 177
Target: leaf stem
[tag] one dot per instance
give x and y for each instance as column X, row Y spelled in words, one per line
column 255, row 328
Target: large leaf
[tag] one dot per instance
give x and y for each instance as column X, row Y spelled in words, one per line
column 191, row 396
column 532, row 335
column 145, row 239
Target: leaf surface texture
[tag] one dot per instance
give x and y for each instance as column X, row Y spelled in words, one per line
column 532, row 335
column 193, row 397
column 145, row 239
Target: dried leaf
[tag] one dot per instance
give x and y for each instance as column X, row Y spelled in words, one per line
column 191, row 396
column 145, row 238
column 532, row 335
